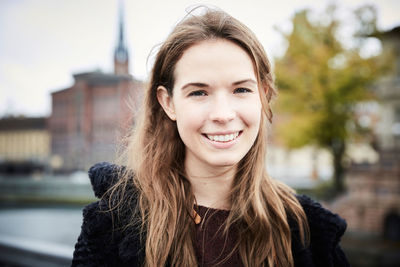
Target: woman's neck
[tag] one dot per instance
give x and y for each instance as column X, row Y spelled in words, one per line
column 211, row 185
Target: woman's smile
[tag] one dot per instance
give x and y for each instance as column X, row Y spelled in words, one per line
column 223, row 137
column 222, row 141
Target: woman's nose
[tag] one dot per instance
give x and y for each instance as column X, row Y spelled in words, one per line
column 222, row 109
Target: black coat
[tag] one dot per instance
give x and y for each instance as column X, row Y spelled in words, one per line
column 98, row 245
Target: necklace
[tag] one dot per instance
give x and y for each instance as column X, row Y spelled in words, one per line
column 196, row 217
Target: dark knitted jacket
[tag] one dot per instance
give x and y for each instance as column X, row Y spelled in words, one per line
column 99, row 245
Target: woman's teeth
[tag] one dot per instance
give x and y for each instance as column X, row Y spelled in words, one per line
column 223, row 138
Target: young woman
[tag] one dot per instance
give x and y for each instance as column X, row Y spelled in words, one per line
column 194, row 190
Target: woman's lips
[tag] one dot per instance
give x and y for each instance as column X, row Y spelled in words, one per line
column 223, row 141
column 223, row 137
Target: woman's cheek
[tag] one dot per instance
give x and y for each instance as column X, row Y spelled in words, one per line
column 251, row 112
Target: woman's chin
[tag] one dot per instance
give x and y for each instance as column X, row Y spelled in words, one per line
column 224, row 163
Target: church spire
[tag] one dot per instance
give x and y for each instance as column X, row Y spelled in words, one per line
column 121, row 57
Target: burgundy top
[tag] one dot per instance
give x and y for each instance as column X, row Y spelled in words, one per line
column 212, row 246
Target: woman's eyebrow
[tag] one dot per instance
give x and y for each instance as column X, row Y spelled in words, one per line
column 195, row 84
column 245, row 81
column 204, row 85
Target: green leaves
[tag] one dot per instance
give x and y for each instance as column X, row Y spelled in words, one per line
column 319, row 79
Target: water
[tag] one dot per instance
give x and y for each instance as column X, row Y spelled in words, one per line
column 53, row 226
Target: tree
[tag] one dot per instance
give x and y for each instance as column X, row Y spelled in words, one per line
column 320, row 81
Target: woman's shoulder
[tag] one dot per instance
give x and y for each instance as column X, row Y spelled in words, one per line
column 321, row 219
column 103, row 240
column 326, row 229
column 103, row 176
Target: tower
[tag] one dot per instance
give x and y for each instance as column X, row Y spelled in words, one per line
column 121, row 56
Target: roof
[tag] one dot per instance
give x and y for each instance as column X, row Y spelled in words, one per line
column 393, row 33
column 99, row 78
column 96, row 78
column 23, row 123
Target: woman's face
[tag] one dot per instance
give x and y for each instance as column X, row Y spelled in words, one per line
column 215, row 103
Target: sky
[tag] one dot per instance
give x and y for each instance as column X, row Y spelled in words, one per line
column 44, row 42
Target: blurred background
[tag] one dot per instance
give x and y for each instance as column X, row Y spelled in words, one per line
column 72, row 75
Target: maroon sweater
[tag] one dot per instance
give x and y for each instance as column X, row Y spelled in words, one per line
column 212, row 246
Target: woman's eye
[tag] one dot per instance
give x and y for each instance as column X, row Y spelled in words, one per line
column 198, row 93
column 242, row 90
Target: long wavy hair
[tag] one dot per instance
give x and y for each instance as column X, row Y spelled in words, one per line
column 260, row 206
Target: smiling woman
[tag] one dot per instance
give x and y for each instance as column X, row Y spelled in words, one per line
column 194, row 191
column 217, row 116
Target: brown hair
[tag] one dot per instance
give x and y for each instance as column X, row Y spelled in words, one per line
column 260, row 206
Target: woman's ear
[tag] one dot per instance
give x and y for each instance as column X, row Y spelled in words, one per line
column 166, row 102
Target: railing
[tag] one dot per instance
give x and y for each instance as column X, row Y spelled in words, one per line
column 17, row 252
column 46, row 189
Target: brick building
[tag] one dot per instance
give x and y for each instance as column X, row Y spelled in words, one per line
column 372, row 204
column 89, row 118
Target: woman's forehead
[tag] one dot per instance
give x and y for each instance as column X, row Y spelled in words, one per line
column 214, row 61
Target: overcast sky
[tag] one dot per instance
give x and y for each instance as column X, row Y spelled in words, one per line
column 44, row 42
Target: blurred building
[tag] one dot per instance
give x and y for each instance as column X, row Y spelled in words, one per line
column 389, row 92
column 372, row 205
column 24, row 144
column 89, row 118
